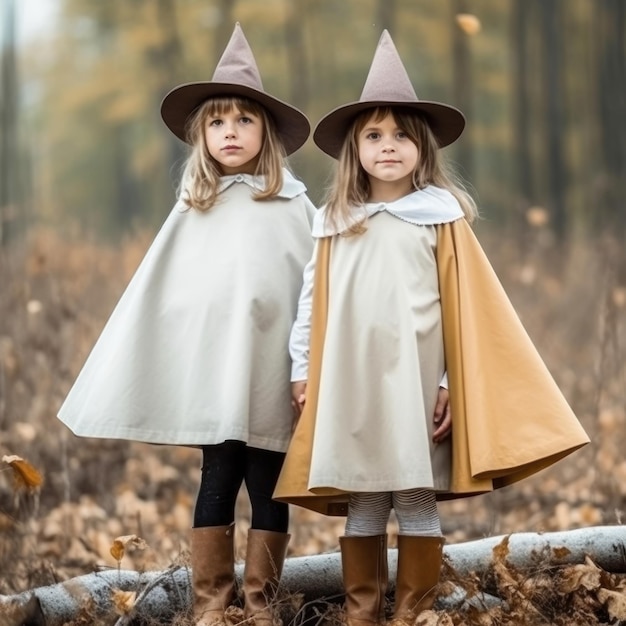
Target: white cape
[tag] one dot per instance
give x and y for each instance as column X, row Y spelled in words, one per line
column 195, row 351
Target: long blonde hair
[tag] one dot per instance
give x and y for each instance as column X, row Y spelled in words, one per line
column 350, row 188
column 201, row 172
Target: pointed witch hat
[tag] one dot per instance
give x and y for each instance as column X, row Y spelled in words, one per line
column 387, row 84
column 236, row 74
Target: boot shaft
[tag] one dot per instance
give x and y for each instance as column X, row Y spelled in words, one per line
column 265, row 556
column 213, row 572
column 419, row 568
column 365, row 578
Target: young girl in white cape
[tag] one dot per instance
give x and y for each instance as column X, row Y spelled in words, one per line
column 398, row 304
column 196, row 351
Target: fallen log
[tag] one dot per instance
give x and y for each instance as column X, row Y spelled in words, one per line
column 127, row 597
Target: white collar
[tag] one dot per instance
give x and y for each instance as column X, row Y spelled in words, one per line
column 424, row 207
column 290, row 189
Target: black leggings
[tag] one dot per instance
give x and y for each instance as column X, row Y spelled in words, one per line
column 224, row 467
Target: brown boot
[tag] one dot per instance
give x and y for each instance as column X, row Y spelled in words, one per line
column 213, row 573
column 419, row 565
column 265, row 556
column 365, row 577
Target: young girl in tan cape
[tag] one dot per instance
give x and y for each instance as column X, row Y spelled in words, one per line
column 398, row 304
column 195, row 352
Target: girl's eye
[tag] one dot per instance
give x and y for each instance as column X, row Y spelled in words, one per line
column 402, row 135
column 372, row 135
column 246, row 120
column 215, row 123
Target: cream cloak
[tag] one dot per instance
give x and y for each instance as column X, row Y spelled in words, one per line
column 195, row 351
column 366, row 421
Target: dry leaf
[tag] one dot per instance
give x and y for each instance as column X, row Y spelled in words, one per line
column 432, row 618
column 537, row 216
column 615, row 603
column 468, row 23
column 586, row 575
column 25, row 476
column 233, row 615
column 120, row 544
column 561, row 553
column 501, row 551
column 619, row 297
column 34, row 307
column 123, row 601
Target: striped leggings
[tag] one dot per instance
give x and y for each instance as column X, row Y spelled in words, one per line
column 416, row 511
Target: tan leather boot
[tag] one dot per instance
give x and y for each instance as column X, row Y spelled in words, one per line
column 265, row 556
column 419, row 566
column 213, row 573
column 365, row 577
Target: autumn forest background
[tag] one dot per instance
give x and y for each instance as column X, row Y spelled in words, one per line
column 88, row 173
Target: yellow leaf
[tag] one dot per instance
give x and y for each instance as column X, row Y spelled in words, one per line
column 117, row 550
column 25, row 476
column 468, row 23
column 120, row 544
column 123, row 601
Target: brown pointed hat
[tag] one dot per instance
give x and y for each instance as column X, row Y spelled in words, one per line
column 387, row 84
column 236, row 74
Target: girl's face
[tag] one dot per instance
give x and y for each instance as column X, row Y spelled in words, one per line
column 388, row 157
column 234, row 139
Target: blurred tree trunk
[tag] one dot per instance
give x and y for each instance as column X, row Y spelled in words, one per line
column 127, row 198
column 610, row 91
column 296, row 54
column 525, row 194
column 521, row 104
column 166, row 62
column 8, row 123
column 550, row 12
column 463, row 85
column 386, row 15
column 223, row 28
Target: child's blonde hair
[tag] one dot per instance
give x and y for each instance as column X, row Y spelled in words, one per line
column 201, row 172
column 351, row 188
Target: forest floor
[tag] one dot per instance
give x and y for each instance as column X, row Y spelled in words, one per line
column 56, row 296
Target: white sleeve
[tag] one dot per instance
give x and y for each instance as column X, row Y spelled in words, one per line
column 301, row 330
column 444, row 381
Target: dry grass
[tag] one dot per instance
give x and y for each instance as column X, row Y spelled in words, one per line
column 56, row 296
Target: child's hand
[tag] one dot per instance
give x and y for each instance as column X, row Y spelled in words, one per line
column 298, row 391
column 442, row 418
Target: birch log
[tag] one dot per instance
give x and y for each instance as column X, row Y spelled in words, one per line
column 160, row 595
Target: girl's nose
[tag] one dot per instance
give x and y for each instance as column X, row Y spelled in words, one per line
column 388, row 147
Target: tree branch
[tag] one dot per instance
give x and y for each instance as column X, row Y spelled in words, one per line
column 316, row 578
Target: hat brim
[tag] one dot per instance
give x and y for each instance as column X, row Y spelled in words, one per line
column 446, row 122
column 291, row 124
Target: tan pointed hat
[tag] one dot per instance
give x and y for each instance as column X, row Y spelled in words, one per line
column 236, row 74
column 387, row 84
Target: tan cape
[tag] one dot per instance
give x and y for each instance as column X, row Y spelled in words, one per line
column 510, row 419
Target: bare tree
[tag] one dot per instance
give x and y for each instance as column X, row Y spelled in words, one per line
column 610, row 27
column 386, row 14
column 225, row 9
column 167, row 61
column 463, row 83
column 296, row 54
column 8, row 121
column 554, row 112
column 519, row 36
